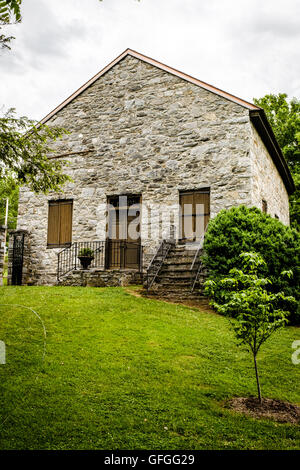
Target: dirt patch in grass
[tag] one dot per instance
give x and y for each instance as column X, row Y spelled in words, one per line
column 277, row 410
column 201, row 304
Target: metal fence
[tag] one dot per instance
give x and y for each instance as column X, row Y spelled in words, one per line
column 109, row 254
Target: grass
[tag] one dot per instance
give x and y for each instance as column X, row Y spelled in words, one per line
column 122, row 372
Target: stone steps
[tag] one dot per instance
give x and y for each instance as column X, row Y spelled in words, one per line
column 177, row 269
column 175, row 278
column 173, row 296
column 183, row 290
column 184, row 252
column 180, row 278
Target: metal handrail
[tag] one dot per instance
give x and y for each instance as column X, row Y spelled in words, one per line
column 67, row 248
column 163, row 248
column 155, row 254
column 197, row 252
column 59, row 256
column 197, row 276
column 196, row 257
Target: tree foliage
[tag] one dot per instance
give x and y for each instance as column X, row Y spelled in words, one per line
column 255, row 308
column 9, row 190
column 10, row 13
column 284, row 117
column 24, row 147
column 241, row 229
column 24, row 151
column 5, row 41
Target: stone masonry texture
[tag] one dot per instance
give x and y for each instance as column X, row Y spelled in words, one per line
column 145, row 131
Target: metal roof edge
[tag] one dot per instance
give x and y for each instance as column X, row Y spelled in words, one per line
column 263, row 127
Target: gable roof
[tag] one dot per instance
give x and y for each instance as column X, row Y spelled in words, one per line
column 257, row 114
column 155, row 63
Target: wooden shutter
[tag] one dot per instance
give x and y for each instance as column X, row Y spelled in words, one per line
column 53, row 224
column 203, row 210
column 59, row 223
column 187, row 226
column 65, row 236
column 195, row 207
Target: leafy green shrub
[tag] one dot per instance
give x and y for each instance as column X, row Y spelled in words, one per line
column 86, row 252
column 241, row 229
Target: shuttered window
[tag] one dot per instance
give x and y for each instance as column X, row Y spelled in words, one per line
column 195, row 213
column 59, row 223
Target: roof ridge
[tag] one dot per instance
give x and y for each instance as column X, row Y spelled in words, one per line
column 198, row 82
column 155, row 63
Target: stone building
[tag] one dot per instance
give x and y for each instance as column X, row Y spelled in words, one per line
column 147, row 138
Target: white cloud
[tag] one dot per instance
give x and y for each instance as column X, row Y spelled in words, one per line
column 247, row 47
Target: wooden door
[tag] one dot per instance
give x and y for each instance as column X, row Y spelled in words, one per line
column 195, row 212
column 124, row 239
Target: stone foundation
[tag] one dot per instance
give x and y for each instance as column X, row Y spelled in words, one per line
column 100, row 278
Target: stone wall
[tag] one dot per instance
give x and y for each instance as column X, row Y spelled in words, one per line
column 141, row 130
column 2, row 252
column 267, row 183
column 100, row 278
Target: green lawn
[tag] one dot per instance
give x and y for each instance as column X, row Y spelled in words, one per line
column 122, row 372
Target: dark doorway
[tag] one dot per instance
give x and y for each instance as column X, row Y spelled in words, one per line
column 123, row 234
column 195, row 212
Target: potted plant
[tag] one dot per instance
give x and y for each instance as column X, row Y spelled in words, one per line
column 86, row 256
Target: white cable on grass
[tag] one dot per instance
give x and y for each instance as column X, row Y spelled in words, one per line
column 44, row 330
column 37, row 315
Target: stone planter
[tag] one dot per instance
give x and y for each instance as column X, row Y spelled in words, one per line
column 85, row 261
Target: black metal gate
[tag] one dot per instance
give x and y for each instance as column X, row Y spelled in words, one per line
column 123, row 254
column 17, row 259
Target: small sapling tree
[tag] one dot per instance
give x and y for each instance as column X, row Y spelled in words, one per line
column 257, row 312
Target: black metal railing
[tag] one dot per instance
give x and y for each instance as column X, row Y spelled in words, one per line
column 157, row 262
column 68, row 258
column 109, row 254
column 17, row 259
column 123, row 254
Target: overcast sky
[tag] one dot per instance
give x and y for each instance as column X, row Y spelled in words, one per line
column 246, row 47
